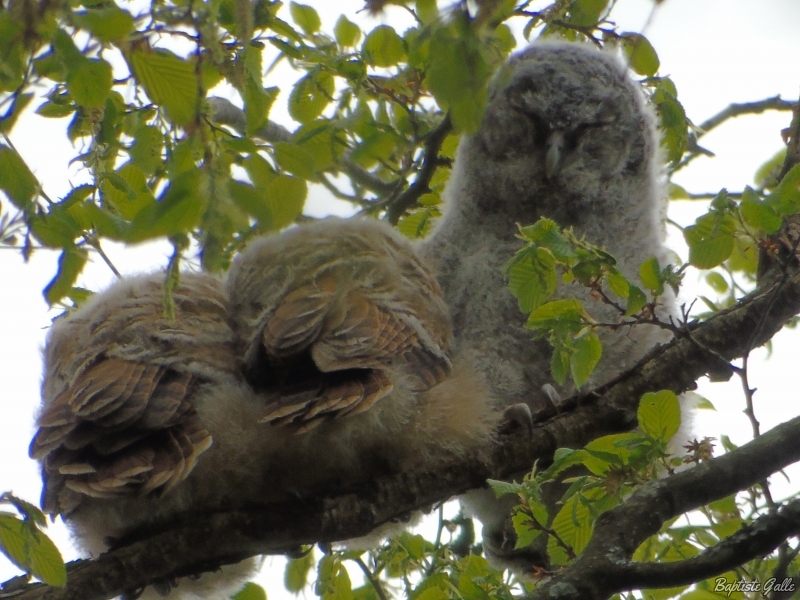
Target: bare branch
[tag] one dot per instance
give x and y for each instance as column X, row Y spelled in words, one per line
column 745, row 108
column 732, row 111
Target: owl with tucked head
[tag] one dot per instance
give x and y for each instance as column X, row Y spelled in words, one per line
column 321, row 364
column 567, row 135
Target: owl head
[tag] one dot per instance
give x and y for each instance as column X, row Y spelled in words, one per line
column 565, row 128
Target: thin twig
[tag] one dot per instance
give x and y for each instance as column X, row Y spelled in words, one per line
column 430, row 160
column 375, row 583
column 732, row 111
column 95, row 243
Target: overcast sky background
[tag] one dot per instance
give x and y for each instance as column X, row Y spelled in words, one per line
column 716, row 51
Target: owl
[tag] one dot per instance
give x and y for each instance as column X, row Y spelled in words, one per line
column 321, row 363
column 566, row 135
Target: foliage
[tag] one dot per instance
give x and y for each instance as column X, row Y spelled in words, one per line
column 25, row 544
column 160, row 159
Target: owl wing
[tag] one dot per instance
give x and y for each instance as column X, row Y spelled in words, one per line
column 356, row 314
column 125, row 423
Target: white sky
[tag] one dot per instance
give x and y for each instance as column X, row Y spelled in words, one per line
column 716, row 51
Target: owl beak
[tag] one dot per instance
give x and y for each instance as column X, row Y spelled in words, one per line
column 555, row 155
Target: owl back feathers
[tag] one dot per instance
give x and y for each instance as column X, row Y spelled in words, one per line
column 118, row 418
column 332, row 315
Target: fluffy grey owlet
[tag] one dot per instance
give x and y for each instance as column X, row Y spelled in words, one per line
column 567, row 135
column 322, row 364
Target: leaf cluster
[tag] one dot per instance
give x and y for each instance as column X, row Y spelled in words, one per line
column 550, row 255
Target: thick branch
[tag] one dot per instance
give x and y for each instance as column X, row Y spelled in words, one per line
column 604, row 568
column 203, row 542
column 751, row 541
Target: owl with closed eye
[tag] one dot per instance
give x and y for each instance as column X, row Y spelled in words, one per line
column 567, row 135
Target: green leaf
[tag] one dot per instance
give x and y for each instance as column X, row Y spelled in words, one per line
column 57, row 229
column 586, row 13
column 12, row 51
column 259, row 170
column 177, row 211
column 257, row 100
column 28, row 510
column 758, row 214
column 383, row 47
column 145, row 153
column 588, row 350
column 70, row 265
column 310, row 96
column 636, row 301
column 31, row 550
column 322, row 142
column 106, row 24
column 767, row 174
column 347, row 33
column 417, row 224
column 427, row 11
column 18, row 105
column 642, row 57
column 252, row 201
column 618, row 284
column 90, row 83
column 502, row 488
column 717, row 282
column 611, row 450
column 374, row 149
column 16, row 179
column 126, row 191
column 306, row 17
column 457, row 76
column 566, row 310
column 252, row 591
column 168, row 80
column 660, row 414
column 546, row 233
column 295, row 160
column 531, row 277
column 46, row 562
column 525, row 529
column 785, row 198
column 295, row 577
column 650, row 275
column 704, row 404
column 285, row 197
column 677, row 192
column 573, row 524
column 67, row 51
column 559, row 364
column 53, row 110
column 710, row 239
column 673, row 124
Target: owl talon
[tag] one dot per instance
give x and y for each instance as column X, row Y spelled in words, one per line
column 517, row 416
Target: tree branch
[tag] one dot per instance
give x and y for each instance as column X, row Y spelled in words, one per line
column 203, row 542
column 605, row 568
column 732, row 111
column 430, row 160
column 745, row 108
column 753, row 540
